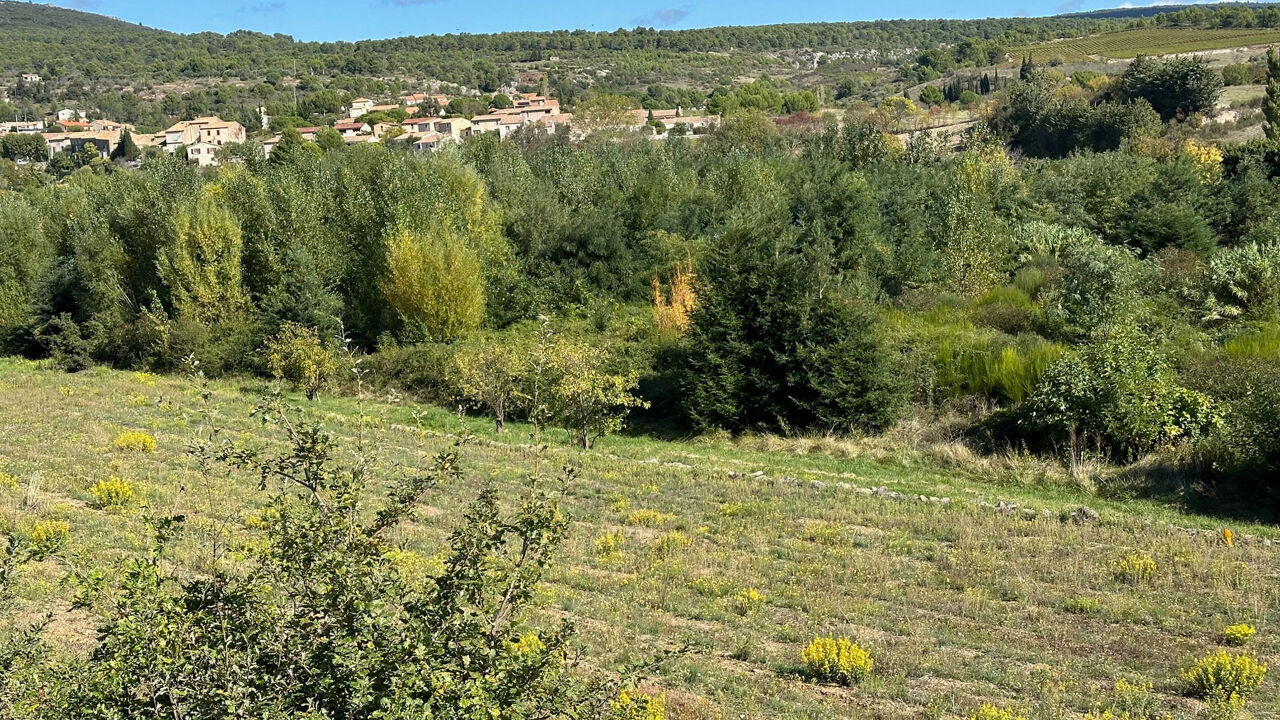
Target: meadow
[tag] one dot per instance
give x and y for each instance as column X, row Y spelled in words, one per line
column 721, row 558
column 1125, row 44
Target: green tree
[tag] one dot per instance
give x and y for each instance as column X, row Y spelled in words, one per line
column 300, row 356
column 492, row 372
column 1175, row 88
column 1271, row 104
column 30, row 147
column 930, row 95
column 126, row 149
column 329, row 139
column 590, row 396
column 202, row 268
column 435, row 284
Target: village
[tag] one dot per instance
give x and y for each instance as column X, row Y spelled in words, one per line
column 428, row 126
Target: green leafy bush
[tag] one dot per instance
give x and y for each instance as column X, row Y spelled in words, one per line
column 1118, row 392
column 300, row 356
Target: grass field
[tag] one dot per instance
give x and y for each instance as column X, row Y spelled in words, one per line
column 958, row 602
column 1125, row 44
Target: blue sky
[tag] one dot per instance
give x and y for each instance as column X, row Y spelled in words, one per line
column 361, row 19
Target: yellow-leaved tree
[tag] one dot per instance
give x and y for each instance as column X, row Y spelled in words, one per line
column 202, row 267
column 589, row 395
column 434, row 283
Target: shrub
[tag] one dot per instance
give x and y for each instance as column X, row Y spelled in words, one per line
column 491, row 373
column 112, row 492
column 837, row 660
column 1239, row 634
column 749, row 601
column 648, row 518
column 610, row 543
column 1120, row 392
column 322, row 622
column 671, row 543
column 135, row 441
column 632, row 705
column 48, row 536
column 299, row 356
column 1222, row 678
column 987, row 711
column 1136, row 568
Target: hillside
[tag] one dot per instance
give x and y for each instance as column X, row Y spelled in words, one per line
column 958, row 601
column 77, row 44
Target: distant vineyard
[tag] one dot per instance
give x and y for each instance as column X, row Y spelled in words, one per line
column 1146, row 41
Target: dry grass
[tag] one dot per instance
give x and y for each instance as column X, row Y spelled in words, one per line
column 959, row 603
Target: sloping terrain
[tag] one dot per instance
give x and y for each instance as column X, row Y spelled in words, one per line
column 960, row 601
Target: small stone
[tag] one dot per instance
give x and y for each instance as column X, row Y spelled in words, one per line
column 1085, row 515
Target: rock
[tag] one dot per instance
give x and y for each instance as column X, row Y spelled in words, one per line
column 1085, row 515
column 1005, row 508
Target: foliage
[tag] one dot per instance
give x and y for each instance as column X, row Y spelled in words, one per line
column 492, row 372
column 1271, row 106
column 202, row 268
column 299, row 355
column 1136, row 568
column 320, row 620
column 838, row 660
column 1119, row 392
column 1239, row 634
column 1226, row 679
column 135, row 441
column 987, row 711
column 112, row 493
column 435, row 284
column 590, row 396
column 1175, row 88
column 632, row 705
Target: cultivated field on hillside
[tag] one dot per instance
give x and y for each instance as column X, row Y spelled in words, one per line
column 1146, row 41
column 733, row 553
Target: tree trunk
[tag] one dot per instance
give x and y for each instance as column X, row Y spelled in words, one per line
column 499, row 419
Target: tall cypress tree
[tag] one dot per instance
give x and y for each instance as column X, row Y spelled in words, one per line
column 1271, row 105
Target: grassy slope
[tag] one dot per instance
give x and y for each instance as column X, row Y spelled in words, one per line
column 958, row 603
column 1149, row 41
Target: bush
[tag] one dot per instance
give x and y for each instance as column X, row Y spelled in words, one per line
column 135, row 441
column 988, row 711
column 112, row 492
column 426, row 371
column 298, row 355
column 47, row 537
column 1222, row 678
column 1119, row 392
column 1239, row 634
column 632, row 705
column 1136, row 568
column 837, row 660
column 64, row 343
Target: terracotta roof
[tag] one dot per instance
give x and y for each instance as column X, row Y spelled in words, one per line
column 486, row 118
column 313, row 129
column 348, row 125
